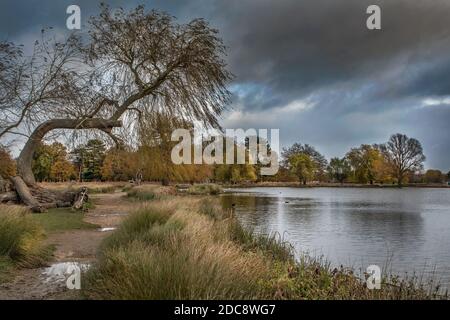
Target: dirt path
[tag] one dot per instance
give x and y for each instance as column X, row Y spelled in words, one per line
column 78, row 246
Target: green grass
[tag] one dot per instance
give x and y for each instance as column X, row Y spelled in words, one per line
column 22, row 235
column 145, row 224
column 141, row 195
column 62, row 219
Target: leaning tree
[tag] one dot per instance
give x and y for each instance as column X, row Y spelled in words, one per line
column 130, row 62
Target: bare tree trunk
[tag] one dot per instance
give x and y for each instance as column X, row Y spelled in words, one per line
column 39, row 199
column 80, row 199
column 24, row 162
column 25, row 195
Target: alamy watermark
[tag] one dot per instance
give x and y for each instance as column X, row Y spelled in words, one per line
column 373, row 22
column 373, row 280
column 73, row 282
column 68, row 273
column 73, row 22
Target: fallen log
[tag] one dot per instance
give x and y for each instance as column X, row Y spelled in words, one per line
column 10, row 196
column 39, row 199
column 25, row 195
column 80, row 199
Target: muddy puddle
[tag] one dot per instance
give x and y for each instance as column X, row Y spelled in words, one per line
column 107, row 229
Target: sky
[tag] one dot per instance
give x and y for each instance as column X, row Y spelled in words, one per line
column 310, row 67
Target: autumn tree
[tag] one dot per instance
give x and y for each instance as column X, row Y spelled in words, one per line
column 320, row 163
column 7, row 164
column 236, row 172
column 403, row 155
column 365, row 161
column 62, row 170
column 131, row 62
column 303, row 166
column 50, row 163
column 434, row 176
column 155, row 139
column 119, row 164
column 339, row 169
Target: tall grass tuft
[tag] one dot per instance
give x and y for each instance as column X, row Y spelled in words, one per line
column 171, row 253
column 204, row 189
column 21, row 238
column 149, row 192
column 148, row 224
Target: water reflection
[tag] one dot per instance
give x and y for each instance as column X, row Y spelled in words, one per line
column 406, row 228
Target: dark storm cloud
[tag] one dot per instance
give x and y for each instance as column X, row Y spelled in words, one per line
column 295, row 47
column 359, row 86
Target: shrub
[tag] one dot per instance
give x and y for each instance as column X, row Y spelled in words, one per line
column 21, row 238
column 204, row 189
column 141, row 195
column 149, row 192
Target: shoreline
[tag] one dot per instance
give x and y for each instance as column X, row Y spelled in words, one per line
column 333, row 185
column 175, row 235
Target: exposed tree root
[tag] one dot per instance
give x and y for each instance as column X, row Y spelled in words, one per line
column 25, row 195
column 39, row 199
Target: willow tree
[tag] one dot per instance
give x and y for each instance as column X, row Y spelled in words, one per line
column 132, row 62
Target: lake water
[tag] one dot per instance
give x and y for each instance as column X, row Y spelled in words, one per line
column 407, row 229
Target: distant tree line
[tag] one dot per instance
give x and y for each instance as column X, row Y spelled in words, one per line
column 398, row 161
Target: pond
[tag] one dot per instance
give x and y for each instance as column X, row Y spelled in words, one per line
column 402, row 230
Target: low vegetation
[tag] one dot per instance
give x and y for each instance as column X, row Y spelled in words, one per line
column 189, row 248
column 62, row 219
column 166, row 251
column 205, row 189
column 21, row 241
column 93, row 187
column 148, row 192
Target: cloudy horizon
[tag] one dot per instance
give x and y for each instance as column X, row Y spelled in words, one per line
column 311, row 68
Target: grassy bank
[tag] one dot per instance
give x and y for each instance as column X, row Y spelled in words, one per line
column 204, row 189
column 189, row 248
column 148, row 192
column 93, row 187
column 62, row 219
column 21, row 241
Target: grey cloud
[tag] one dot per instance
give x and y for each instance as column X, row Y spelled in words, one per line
column 298, row 46
column 365, row 84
